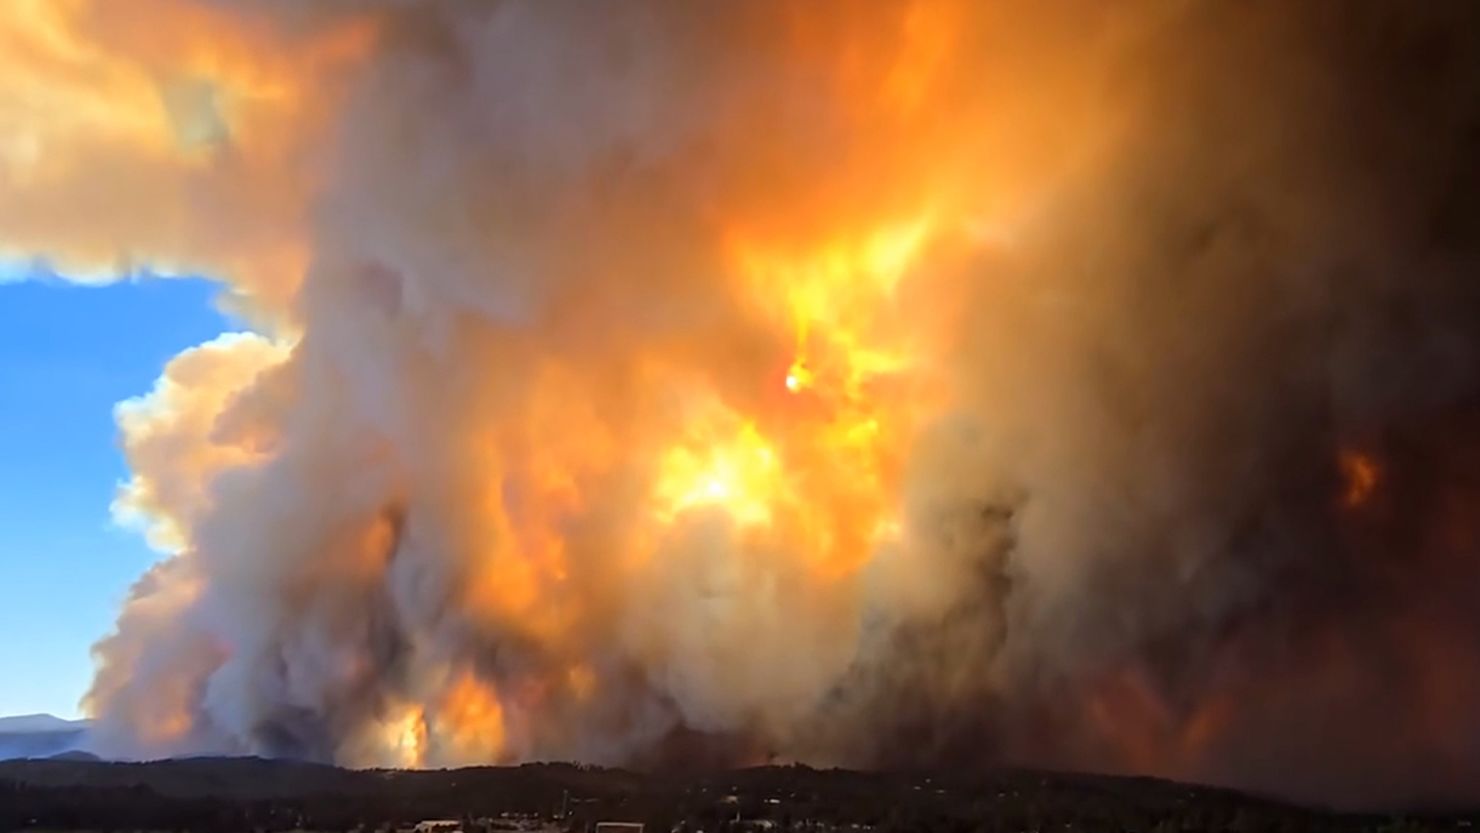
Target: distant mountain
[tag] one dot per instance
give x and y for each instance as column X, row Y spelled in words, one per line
column 75, row 755
column 33, row 723
column 41, row 736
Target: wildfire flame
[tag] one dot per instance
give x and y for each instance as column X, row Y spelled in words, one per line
column 404, row 737
column 475, row 719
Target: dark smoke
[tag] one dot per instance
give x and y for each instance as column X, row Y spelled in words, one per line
column 1287, row 274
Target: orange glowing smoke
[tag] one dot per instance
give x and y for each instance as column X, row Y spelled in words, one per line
column 801, row 458
column 536, row 480
column 473, row 720
column 818, row 465
column 210, row 117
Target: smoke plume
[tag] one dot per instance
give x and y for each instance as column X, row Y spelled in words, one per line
column 1079, row 384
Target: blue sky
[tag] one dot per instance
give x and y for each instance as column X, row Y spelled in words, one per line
column 68, row 353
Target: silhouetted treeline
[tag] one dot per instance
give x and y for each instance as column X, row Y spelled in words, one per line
column 239, row 795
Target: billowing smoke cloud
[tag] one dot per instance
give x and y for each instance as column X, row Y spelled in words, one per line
column 929, row 382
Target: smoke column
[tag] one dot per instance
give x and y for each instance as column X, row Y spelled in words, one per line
column 942, row 383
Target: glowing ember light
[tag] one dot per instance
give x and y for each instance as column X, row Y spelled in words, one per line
column 581, row 680
column 837, row 299
column 798, row 377
column 1360, row 475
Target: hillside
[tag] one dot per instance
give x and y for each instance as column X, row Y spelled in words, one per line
column 224, row 794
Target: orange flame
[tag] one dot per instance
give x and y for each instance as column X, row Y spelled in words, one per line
column 472, row 720
column 404, row 736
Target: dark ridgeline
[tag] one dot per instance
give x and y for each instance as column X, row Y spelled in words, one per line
column 252, row 794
